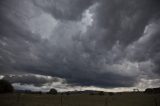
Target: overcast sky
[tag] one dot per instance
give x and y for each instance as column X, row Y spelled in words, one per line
column 110, row 45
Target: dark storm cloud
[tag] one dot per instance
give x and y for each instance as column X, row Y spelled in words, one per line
column 62, row 9
column 99, row 43
column 148, row 46
column 124, row 20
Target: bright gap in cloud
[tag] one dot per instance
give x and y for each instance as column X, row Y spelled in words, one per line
column 1, row 76
column 43, row 25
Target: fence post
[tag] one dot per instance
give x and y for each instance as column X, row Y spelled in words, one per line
column 61, row 101
column 18, row 99
column 106, row 101
column 155, row 101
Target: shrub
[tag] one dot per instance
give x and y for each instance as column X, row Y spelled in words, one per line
column 110, row 93
column 101, row 93
column 67, row 93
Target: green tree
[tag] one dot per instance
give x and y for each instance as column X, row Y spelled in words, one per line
column 5, row 87
column 53, row 91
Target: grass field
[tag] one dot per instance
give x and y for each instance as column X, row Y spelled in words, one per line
column 138, row 99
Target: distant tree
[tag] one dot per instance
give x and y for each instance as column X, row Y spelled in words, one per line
column 53, row 91
column 110, row 93
column 136, row 90
column 5, row 86
column 152, row 90
column 156, row 90
column 67, row 93
column 39, row 92
column 91, row 93
column 149, row 90
column 28, row 91
column 101, row 93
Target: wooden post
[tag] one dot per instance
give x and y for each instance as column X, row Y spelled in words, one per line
column 155, row 101
column 106, row 101
column 61, row 101
column 18, row 99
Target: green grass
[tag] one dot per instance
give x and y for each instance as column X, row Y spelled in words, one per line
column 128, row 99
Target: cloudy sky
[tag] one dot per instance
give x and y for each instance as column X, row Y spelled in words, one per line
column 110, row 45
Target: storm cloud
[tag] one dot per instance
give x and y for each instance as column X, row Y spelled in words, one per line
column 99, row 43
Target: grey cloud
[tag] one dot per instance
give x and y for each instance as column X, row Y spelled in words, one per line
column 124, row 20
column 27, row 79
column 147, row 47
column 102, row 56
column 65, row 10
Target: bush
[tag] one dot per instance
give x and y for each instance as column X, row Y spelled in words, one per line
column 53, row 91
column 110, row 93
column 152, row 90
column 67, row 93
column 5, row 87
column 101, row 93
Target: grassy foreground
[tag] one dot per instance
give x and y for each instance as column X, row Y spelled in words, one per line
column 130, row 99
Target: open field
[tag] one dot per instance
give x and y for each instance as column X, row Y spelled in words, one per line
column 138, row 99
